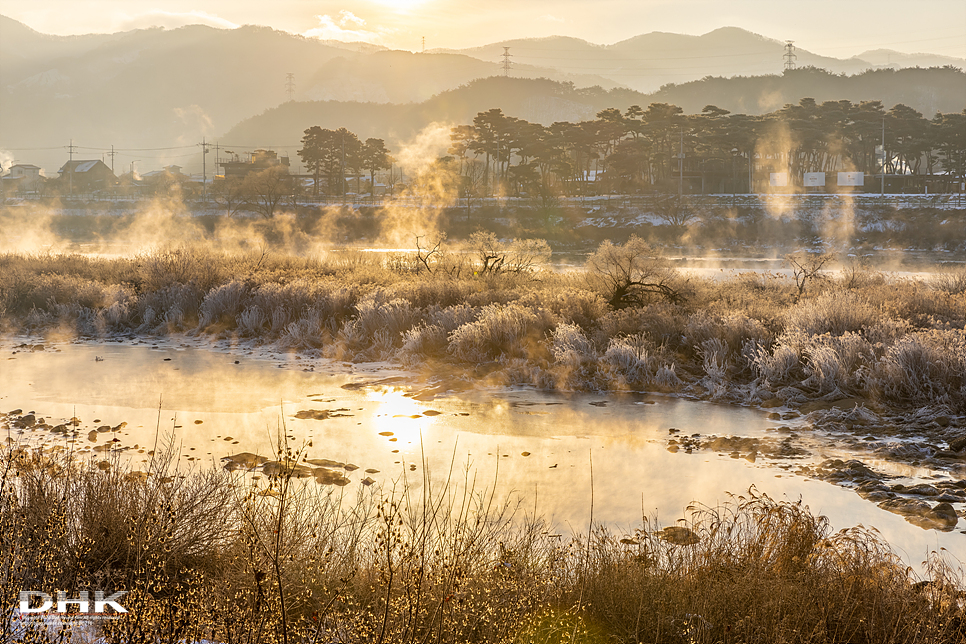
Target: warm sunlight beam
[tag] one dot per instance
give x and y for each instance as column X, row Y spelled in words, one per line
column 402, row 6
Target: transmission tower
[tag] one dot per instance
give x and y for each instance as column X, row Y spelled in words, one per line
column 790, row 56
column 290, row 85
column 424, row 44
column 506, row 61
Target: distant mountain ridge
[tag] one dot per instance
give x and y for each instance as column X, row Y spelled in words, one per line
column 156, row 88
column 544, row 101
column 648, row 61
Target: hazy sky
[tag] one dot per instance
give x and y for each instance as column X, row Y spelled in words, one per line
column 838, row 28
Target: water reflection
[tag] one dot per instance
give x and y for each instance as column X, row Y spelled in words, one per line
column 539, row 446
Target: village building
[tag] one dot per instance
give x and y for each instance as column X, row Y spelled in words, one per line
column 23, row 177
column 86, row 176
column 257, row 161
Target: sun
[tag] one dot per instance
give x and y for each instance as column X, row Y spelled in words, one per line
column 401, row 6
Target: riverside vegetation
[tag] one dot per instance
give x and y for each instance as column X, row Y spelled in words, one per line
column 629, row 321
column 213, row 555
column 226, row 556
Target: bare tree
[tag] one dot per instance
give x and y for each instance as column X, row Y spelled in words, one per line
column 518, row 256
column 674, row 211
column 264, row 191
column 630, row 274
column 806, row 266
column 227, row 193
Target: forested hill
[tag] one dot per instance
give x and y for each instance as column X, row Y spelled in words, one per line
column 543, row 101
column 927, row 90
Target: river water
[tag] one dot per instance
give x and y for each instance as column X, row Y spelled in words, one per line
column 555, row 452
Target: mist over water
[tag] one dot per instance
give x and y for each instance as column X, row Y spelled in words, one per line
column 212, row 403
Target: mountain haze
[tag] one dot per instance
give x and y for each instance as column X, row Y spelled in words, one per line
column 648, row 61
column 544, row 101
column 170, row 88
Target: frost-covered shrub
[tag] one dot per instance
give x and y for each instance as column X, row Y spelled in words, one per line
column 629, row 358
column 714, row 358
column 781, row 363
column 174, row 307
column 924, row 367
column 251, row 321
column 837, row 362
column 499, row 330
column 223, row 304
column 834, row 312
column 377, row 314
column 570, row 346
column 430, row 338
column 733, row 330
column 666, row 379
column 305, row 333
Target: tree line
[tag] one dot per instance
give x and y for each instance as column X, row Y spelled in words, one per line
column 656, row 149
column 332, row 155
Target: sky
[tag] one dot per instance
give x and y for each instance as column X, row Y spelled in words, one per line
column 838, row 28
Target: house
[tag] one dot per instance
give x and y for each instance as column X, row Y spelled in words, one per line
column 24, row 176
column 257, row 161
column 86, row 176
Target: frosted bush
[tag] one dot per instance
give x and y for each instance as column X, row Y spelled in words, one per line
column 251, row 321
column 629, row 357
column 375, row 315
column 734, row 330
column 304, row 333
column 497, row 331
column 421, row 342
column 779, row 364
column 570, row 346
column 714, row 357
column 223, row 304
column 924, row 367
column 832, row 312
column 666, row 378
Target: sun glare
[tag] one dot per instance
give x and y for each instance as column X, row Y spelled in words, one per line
column 401, row 6
column 399, row 415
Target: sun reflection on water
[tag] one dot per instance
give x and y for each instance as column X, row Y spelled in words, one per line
column 398, row 414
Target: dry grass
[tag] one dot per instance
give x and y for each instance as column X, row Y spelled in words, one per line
column 219, row 556
column 858, row 333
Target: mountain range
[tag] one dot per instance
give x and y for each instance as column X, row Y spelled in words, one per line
column 154, row 94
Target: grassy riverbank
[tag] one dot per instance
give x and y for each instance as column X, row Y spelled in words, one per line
column 228, row 557
column 628, row 322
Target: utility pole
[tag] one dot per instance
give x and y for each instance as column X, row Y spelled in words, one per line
column 506, row 62
column 204, row 169
column 290, row 85
column 681, row 167
column 70, row 167
column 112, row 153
column 790, row 56
column 343, row 169
column 751, row 162
column 882, row 185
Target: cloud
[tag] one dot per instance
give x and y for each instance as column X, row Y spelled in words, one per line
column 172, row 20
column 346, row 27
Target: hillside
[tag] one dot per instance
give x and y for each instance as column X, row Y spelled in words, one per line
column 648, row 61
column 545, row 101
column 154, row 94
